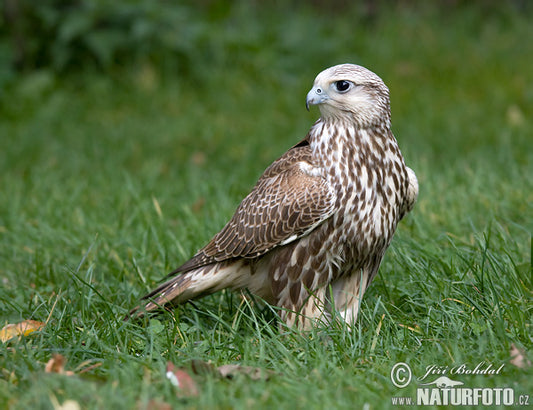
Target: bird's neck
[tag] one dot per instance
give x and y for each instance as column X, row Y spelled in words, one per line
column 344, row 147
column 326, row 136
column 360, row 119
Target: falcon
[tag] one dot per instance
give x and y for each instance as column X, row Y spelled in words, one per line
column 310, row 236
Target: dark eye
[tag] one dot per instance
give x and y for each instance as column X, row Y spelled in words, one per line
column 342, row 86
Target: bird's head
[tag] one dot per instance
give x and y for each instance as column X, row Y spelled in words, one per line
column 349, row 92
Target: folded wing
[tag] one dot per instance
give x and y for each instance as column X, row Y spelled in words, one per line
column 290, row 199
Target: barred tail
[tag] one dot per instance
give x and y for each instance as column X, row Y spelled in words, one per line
column 194, row 284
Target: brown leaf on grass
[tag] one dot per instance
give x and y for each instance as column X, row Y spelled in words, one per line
column 57, row 365
column 255, row 373
column 182, row 380
column 24, row 328
column 229, row 371
column 519, row 358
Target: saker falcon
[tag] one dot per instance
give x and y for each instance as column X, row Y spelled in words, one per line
column 310, row 236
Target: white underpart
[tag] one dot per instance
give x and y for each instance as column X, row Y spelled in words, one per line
column 412, row 191
column 348, row 292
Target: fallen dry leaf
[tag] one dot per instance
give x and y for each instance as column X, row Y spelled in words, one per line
column 24, row 328
column 519, row 358
column 57, row 365
column 255, row 373
column 229, row 371
column 182, row 380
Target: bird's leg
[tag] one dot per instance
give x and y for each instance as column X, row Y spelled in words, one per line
column 347, row 293
column 313, row 311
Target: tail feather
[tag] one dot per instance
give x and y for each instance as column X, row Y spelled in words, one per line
column 174, row 291
column 235, row 274
column 179, row 289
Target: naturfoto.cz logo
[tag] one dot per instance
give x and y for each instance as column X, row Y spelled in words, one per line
column 438, row 387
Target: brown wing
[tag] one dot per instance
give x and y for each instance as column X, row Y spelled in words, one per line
column 290, row 199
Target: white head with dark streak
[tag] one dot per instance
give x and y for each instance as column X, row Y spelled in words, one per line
column 348, row 92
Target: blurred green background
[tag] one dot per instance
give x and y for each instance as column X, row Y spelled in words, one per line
column 130, row 131
column 183, row 93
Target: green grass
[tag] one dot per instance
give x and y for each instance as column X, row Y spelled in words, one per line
column 86, row 158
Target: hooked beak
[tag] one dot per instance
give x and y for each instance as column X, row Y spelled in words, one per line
column 316, row 96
